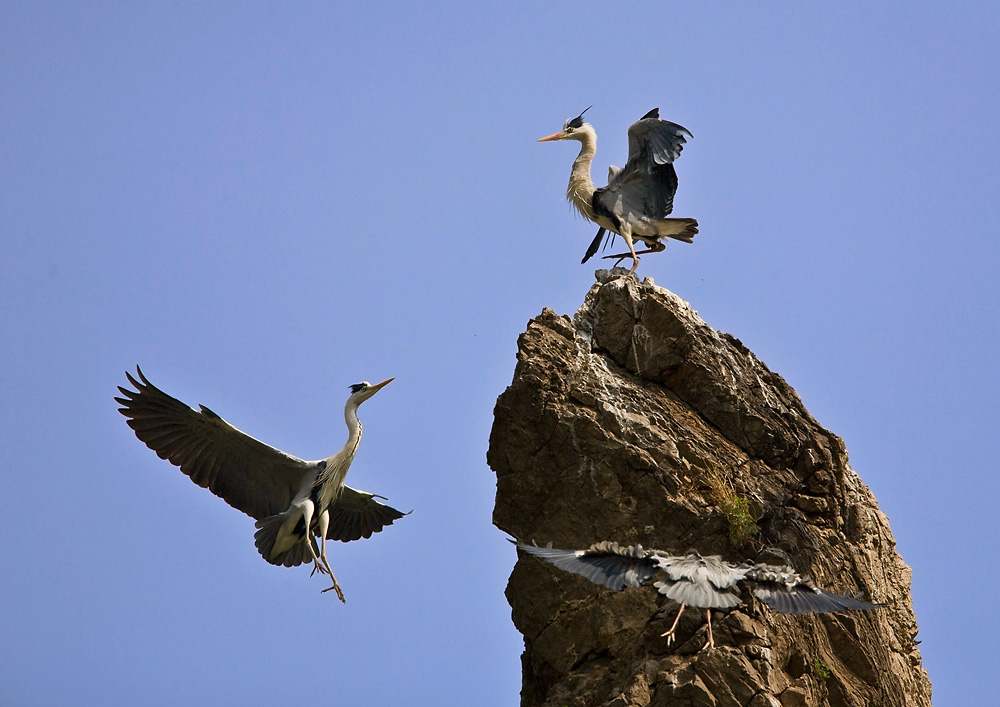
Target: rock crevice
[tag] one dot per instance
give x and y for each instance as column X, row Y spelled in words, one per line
column 635, row 421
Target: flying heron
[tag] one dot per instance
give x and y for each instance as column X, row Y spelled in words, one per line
column 291, row 499
column 694, row 580
column 638, row 197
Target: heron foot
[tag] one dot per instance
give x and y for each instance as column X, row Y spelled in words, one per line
column 669, row 633
column 618, row 258
column 336, row 587
column 622, row 257
column 328, row 570
column 317, row 567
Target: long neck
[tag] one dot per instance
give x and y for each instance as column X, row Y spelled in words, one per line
column 353, row 432
column 580, row 191
column 331, row 479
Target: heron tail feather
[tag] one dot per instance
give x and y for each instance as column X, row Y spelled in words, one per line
column 683, row 229
column 594, row 245
column 265, row 537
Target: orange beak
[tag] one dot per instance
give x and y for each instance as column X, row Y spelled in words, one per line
column 382, row 384
column 556, row 136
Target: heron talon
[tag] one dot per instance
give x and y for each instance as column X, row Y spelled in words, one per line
column 340, row 594
column 622, row 257
column 317, row 567
column 619, row 258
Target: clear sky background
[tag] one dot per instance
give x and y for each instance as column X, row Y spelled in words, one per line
column 262, row 203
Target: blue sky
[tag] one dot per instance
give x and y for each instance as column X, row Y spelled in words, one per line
column 261, row 204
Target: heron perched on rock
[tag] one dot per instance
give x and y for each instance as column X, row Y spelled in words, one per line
column 639, row 196
column 291, row 499
column 694, row 580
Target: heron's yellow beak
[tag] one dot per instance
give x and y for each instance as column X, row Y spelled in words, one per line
column 379, row 386
column 556, row 136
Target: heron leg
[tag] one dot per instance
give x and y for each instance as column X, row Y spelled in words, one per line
column 307, row 516
column 336, row 587
column 655, row 248
column 316, row 559
column 631, row 249
column 711, row 641
column 317, row 566
column 324, row 525
column 670, row 633
column 626, row 233
column 621, row 256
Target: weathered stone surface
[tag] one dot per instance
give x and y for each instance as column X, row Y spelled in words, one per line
column 635, row 421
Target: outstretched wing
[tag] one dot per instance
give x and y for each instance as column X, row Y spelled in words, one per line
column 808, row 600
column 605, row 563
column 356, row 514
column 652, row 141
column 643, row 191
column 249, row 475
column 788, row 592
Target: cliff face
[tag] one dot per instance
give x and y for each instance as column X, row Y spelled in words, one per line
column 635, row 421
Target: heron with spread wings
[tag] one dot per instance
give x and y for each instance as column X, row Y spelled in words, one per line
column 639, row 196
column 693, row 580
column 291, row 499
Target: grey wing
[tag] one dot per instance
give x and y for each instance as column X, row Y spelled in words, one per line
column 808, row 600
column 249, row 475
column 787, row 592
column 356, row 514
column 638, row 198
column 644, row 189
column 652, row 141
column 604, row 563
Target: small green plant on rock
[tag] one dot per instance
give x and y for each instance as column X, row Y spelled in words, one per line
column 820, row 670
column 737, row 508
column 742, row 525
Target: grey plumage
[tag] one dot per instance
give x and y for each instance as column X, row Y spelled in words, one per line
column 283, row 493
column 707, row 582
column 605, row 563
column 699, row 581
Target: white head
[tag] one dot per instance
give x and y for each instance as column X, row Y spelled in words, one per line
column 360, row 392
column 573, row 129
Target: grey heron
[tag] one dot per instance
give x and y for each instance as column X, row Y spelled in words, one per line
column 694, row 580
column 291, row 499
column 639, row 196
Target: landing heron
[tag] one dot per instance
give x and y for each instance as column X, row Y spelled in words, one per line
column 291, row 499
